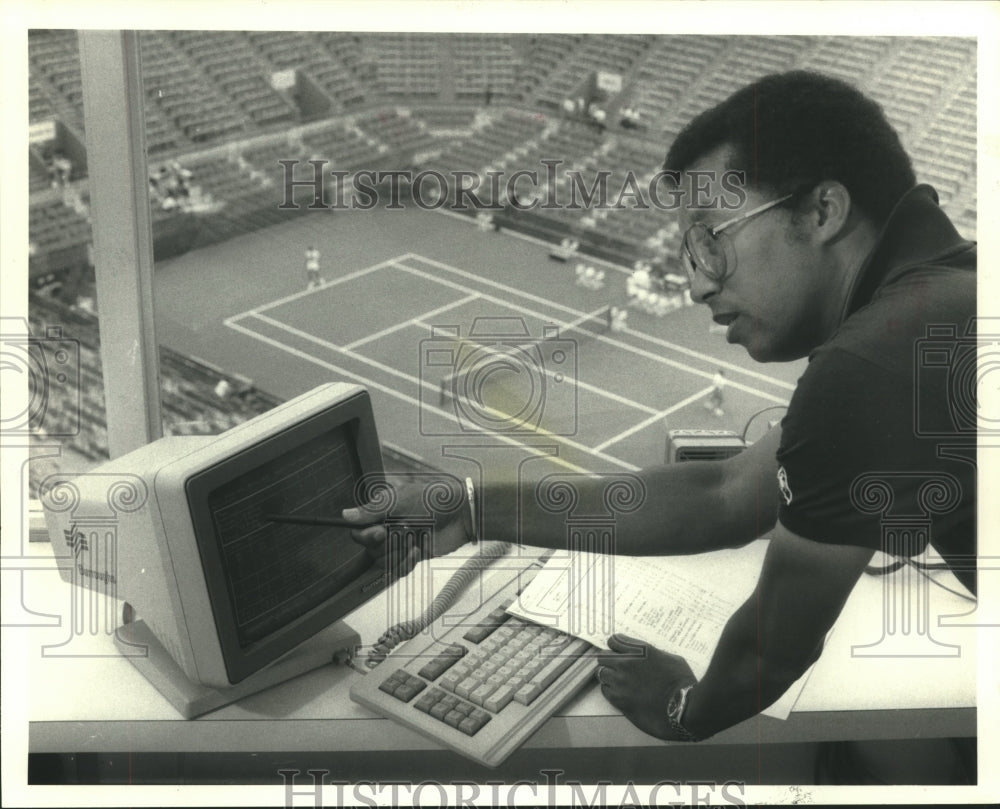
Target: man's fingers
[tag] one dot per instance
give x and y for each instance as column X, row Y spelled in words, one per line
column 362, row 515
column 372, row 537
column 624, row 644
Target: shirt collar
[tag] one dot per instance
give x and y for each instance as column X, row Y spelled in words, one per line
column 917, row 232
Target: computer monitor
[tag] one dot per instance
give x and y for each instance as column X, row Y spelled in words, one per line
column 179, row 530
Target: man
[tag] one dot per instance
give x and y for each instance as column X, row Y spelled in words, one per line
column 836, row 254
column 312, row 268
column 715, row 398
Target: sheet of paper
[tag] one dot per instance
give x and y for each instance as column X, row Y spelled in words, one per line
column 677, row 603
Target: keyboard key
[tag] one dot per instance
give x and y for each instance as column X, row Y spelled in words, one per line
column 499, row 699
column 426, row 702
column 471, row 726
column 409, row 689
column 555, row 666
column 467, row 686
column 478, row 634
column 490, row 624
column 443, row 661
column 491, row 645
column 531, row 668
column 439, row 710
column 480, row 694
column 451, row 680
column 393, row 681
column 527, row 693
column 463, row 669
column 454, row 718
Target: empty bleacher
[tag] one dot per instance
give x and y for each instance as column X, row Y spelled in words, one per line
column 181, row 95
column 484, row 63
column 58, row 234
column 230, row 61
column 589, row 54
column 406, row 65
column 54, row 59
column 390, row 97
column 397, row 129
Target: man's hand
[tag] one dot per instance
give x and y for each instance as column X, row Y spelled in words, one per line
column 409, row 518
column 638, row 680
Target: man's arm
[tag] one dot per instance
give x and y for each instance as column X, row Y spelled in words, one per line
column 689, row 507
column 768, row 643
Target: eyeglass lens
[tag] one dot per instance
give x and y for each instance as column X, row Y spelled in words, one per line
column 708, row 253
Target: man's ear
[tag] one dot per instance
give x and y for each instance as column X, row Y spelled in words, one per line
column 831, row 210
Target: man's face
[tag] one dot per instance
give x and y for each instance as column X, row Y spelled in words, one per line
column 771, row 299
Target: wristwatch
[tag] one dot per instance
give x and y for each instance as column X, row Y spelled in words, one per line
column 675, row 713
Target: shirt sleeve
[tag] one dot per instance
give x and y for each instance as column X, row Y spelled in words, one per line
column 849, row 425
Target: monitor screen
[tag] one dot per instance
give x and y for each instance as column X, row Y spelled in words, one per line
column 269, row 582
column 276, row 572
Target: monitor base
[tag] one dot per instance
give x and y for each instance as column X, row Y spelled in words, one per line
column 193, row 699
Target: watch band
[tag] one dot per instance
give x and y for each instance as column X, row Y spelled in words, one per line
column 470, row 491
column 675, row 713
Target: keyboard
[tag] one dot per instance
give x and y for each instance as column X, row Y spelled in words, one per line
column 483, row 684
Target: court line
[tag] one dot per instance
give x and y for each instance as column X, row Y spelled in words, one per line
column 419, row 383
column 305, row 292
column 410, row 400
column 641, row 335
column 617, row 343
column 661, row 415
column 542, row 243
column 413, row 321
column 580, row 384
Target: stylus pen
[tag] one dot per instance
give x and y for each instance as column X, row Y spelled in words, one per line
column 337, row 521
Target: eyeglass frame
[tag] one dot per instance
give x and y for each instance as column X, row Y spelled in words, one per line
column 693, row 266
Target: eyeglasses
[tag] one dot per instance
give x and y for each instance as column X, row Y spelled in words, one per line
column 705, row 251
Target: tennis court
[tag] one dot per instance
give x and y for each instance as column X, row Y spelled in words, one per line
column 483, row 306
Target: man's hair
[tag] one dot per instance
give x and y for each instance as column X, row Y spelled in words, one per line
column 790, row 130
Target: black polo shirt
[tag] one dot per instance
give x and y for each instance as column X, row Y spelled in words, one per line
column 878, row 445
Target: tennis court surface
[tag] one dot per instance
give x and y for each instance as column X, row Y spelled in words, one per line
column 474, row 332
